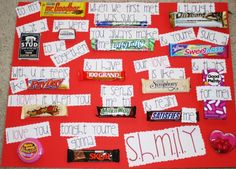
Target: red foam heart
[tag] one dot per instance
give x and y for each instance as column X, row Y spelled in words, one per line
column 222, row 142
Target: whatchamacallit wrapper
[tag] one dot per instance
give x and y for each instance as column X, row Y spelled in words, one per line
column 214, row 19
column 43, row 111
column 166, row 86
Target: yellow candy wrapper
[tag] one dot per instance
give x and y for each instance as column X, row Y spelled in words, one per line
column 62, row 9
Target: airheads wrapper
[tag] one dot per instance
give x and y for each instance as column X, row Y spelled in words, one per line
column 187, row 50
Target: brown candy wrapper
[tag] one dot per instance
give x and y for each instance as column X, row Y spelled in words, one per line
column 93, row 155
column 43, row 111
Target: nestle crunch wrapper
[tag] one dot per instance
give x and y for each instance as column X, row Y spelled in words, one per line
column 62, row 9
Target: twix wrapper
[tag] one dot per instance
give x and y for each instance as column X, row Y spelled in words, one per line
column 214, row 19
column 43, row 111
column 62, row 9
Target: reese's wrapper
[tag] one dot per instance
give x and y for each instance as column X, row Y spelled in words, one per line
column 43, row 111
column 93, row 155
column 214, row 19
column 116, row 111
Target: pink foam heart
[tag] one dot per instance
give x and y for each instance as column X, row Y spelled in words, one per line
column 222, row 142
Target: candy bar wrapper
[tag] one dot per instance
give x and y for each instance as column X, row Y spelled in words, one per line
column 62, row 9
column 166, row 86
column 54, row 83
column 116, row 111
column 214, row 19
column 43, row 111
column 93, row 75
column 121, row 23
column 126, row 44
column 214, row 109
column 187, row 50
column 93, row 155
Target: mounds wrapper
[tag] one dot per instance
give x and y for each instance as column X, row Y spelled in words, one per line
column 214, row 19
column 189, row 50
column 43, row 111
column 62, row 9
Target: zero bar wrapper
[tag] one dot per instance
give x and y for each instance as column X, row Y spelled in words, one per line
column 46, row 84
column 93, row 155
column 127, row 44
column 166, row 86
column 189, row 50
column 66, row 34
column 62, row 9
column 166, row 116
column 116, row 111
column 214, row 19
column 43, row 111
column 214, row 109
column 93, row 75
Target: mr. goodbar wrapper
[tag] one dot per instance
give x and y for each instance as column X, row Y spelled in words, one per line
column 93, row 155
column 214, row 19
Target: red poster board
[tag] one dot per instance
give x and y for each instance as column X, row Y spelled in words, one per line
column 55, row 147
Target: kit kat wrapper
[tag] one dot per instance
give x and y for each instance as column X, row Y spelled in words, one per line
column 93, row 155
column 213, row 19
column 126, row 112
column 33, row 111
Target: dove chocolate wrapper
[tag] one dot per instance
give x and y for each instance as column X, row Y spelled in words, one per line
column 93, row 155
column 214, row 19
column 116, row 111
column 43, row 111
column 166, row 86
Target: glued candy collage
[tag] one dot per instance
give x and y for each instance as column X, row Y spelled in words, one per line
column 154, row 79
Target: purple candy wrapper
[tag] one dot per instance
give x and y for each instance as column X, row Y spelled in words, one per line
column 214, row 109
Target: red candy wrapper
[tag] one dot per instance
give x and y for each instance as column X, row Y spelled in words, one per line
column 46, row 84
column 93, row 75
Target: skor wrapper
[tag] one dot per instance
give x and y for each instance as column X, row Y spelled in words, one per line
column 214, row 19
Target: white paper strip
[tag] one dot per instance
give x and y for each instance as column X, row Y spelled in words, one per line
column 18, row 85
column 151, row 63
column 28, row 9
column 122, row 17
column 37, row 130
column 179, row 36
column 166, row 73
column 117, row 91
column 85, row 129
column 189, row 115
column 211, row 36
column 38, row 26
column 198, row 65
column 42, row 99
column 124, row 7
column 213, row 93
column 160, row 103
column 163, row 145
column 81, row 142
column 106, row 34
column 51, row 48
column 196, row 7
column 116, row 101
column 70, row 54
column 103, row 65
column 77, row 25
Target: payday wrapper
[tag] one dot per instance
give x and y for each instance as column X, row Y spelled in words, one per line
column 62, row 9
column 214, row 19
column 36, row 84
column 214, row 109
column 127, row 44
column 165, row 86
column 43, row 111
column 187, row 50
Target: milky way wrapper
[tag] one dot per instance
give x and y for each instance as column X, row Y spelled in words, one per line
column 214, row 19
column 166, row 86
column 116, row 111
column 43, row 111
column 62, row 9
